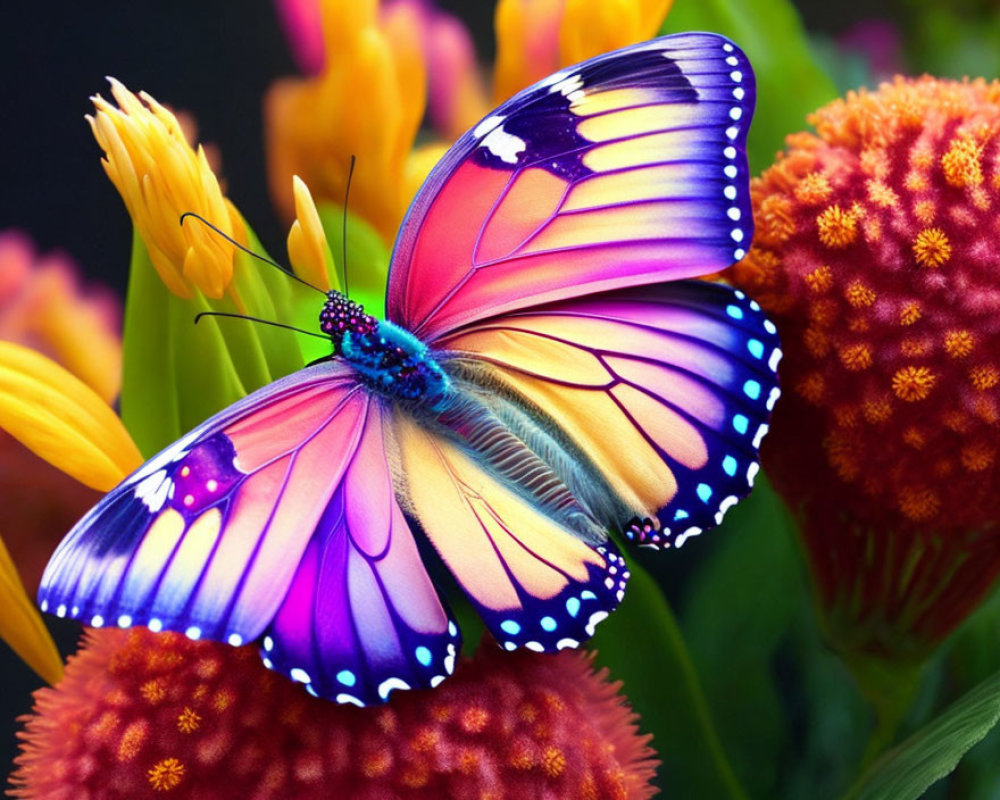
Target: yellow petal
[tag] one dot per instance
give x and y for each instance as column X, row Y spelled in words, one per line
column 537, row 37
column 160, row 177
column 591, row 27
column 63, row 420
column 308, row 249
column 21, row 625
column 420, row 163
column 527, row 33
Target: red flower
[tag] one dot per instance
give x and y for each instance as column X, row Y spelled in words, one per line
column 876, row 255
column 140, row 715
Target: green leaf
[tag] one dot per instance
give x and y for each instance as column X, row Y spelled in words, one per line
column 367, row 256
column 148, row 401
column 790, row 83
column 641, row 644
column 177, row 373
column 742, row 610
column 907, row 770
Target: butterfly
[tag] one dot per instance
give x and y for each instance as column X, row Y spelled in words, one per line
column 544, row 374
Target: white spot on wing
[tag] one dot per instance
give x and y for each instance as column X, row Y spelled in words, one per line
column 595, row 619
column 772, row 362
column 299, row 675
column 152, row 490
column 759, row 437
column 487, row 125
column 389, row 685
column 343, row 697
column 568, row 86
column 683, row 537
column 503, row 145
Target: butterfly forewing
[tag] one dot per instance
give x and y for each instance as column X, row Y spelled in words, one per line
column 626, row 170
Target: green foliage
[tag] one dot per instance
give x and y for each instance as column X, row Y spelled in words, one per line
column 175, row 372
column 737, row 618
column 907, row 770
column 790, row 83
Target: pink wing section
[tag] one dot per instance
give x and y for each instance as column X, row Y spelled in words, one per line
column 206, row 536
column 625, row 170
column 361, row 617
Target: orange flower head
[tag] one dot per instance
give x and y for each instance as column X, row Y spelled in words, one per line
column 876, row 257
column 154, row 714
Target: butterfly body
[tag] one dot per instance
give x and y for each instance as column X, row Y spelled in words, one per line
column 546, row 373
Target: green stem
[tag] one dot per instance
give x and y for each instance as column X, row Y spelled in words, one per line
column 889, row 687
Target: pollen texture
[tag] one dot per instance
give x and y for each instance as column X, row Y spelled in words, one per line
column 220, row 725
column 882, row 274
column 876, row 255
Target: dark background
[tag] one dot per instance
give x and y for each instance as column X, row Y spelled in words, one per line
column 213, row 59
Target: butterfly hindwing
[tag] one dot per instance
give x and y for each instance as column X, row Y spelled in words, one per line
column 361, row 616
column 535, row 582
column 665, row 392
column 628, row 169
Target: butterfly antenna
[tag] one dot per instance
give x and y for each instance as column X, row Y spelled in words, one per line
column 343, row 232
column 249, row 252
column 258, row 319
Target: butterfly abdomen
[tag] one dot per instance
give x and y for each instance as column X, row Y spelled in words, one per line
column 395, row 364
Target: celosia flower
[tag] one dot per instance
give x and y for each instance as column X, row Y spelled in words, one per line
column 383, row 85
column 160, row 177
column 140, row 714
column 875, row 253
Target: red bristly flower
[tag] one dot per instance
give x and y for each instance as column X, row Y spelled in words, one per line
column 877, row 254
column 143, row 715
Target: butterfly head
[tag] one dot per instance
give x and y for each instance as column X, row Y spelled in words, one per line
column 341, row 315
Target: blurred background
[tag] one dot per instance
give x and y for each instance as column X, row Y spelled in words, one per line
column 215, row 60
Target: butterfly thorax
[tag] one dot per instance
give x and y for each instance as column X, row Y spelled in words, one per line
column 391, row 361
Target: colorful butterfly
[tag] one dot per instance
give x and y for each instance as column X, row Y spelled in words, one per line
column 538, row 382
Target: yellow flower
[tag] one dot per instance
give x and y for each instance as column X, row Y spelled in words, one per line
column 68, row 424
column 43, row 304
column 160, row 177
column 308, row 250
column 368, row 102
column 368, row 98
column 60, row 418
